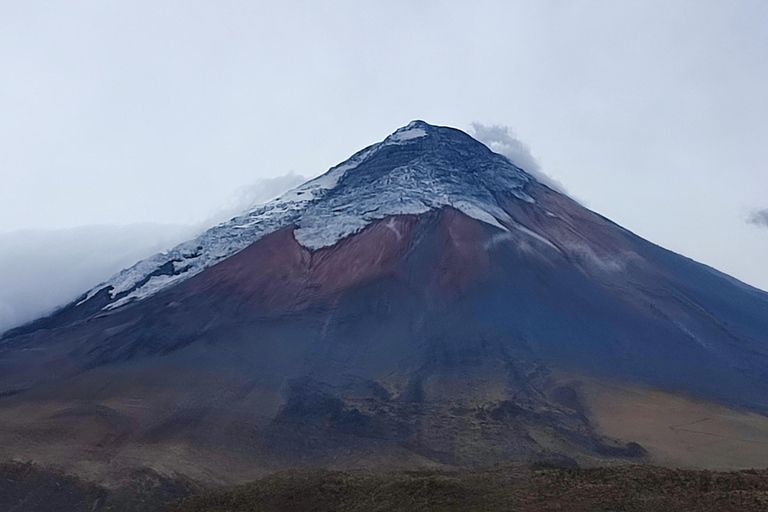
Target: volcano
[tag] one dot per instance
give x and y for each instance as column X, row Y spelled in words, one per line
column 426, row 303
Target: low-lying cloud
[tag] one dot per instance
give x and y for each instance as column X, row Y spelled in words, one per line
column 759, row 218
column 41, row 270
column 501, row 139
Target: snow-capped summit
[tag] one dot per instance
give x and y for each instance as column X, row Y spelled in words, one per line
column 417, row 168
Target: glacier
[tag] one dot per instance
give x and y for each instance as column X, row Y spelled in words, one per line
column 417, row 168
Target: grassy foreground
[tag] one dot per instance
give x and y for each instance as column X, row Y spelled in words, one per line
column 629, row 488
column 27, row 488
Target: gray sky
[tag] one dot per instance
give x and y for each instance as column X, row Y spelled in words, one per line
column 652, row 113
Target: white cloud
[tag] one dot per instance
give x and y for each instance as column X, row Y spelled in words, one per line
column 41, row 270
column 501, row 139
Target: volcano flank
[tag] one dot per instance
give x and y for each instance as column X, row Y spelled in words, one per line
column 425, row 304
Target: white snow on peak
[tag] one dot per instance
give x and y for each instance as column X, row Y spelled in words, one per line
column 406, row 135
column 375, row 183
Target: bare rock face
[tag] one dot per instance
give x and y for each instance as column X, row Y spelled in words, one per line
column 413, row 307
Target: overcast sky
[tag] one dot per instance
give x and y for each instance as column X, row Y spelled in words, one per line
column 654, row 114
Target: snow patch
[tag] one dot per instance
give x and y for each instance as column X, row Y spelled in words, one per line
column 406, row 135
column 508, row 236
column 392, row 227
column 536, row 236
column 479, row 213
column 89, row 295
column 155, row 284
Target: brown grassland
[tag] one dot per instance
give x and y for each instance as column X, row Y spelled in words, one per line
column 508, row 488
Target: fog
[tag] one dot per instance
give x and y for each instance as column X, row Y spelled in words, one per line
column 502, row 140
column 41, row 270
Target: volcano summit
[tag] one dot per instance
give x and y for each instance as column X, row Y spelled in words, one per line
column 424, row 303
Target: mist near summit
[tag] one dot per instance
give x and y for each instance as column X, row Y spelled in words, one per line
column 41, row 270
column 502, row 139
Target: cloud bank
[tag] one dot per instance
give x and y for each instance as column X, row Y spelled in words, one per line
column 759, row 218
column 501, row 139
column 41, row 270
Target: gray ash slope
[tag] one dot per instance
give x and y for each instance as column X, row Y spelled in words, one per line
column 406, row 308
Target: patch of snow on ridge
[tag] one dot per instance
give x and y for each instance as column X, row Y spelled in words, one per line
column 411, row 189
column 441, row 167
column 480, row 212
column 155, row 284
column 405, row 135
column 88, row 296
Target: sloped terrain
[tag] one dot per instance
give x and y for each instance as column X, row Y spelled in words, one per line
column 26, row 487
column 429, row 333
column 677, row 430
column 524, row 488
column 633, row 488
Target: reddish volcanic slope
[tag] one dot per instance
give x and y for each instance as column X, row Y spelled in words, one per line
column 277, row 275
